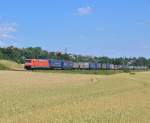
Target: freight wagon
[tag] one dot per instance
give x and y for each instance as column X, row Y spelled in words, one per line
column 76, row 65
column 93, row 66
column 130, row 67
column 115, row 67
column 67, row 65
column 98, row 66
column 55, row 64
column 110, row 66
column 84, row 65
column 104, row 66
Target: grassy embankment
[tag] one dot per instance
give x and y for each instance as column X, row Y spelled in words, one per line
column 10, row 65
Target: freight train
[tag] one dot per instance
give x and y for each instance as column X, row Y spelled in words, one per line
column 40, row 64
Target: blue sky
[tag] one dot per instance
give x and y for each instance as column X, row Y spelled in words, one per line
column 112, row 28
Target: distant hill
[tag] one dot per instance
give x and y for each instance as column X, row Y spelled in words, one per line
column 10, row 65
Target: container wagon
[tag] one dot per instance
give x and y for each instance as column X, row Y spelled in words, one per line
column 67, row 64
column 98, row 66
column 84, row 65
column 55, row 64
column 110, row 66
column 76, row 65
column 92, row 66
column 104, row 66
column 115, row 67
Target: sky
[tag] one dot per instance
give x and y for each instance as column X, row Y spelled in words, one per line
column 114, row 28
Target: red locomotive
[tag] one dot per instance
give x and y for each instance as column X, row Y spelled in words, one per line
column 36, row 64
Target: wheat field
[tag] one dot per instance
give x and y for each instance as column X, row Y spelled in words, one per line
column 29, row 97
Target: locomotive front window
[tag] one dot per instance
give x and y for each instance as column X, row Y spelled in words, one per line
column 28, row 61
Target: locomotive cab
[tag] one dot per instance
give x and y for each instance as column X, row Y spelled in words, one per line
column 28, row 64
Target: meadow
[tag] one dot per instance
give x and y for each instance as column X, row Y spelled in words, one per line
column 36, row 97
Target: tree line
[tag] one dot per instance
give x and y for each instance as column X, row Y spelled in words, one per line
column 20, row 54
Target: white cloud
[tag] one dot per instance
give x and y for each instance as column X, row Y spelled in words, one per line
column 6, row 30
column 85, row 10
column 6, row 36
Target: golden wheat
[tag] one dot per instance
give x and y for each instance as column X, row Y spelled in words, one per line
column 27, row 97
